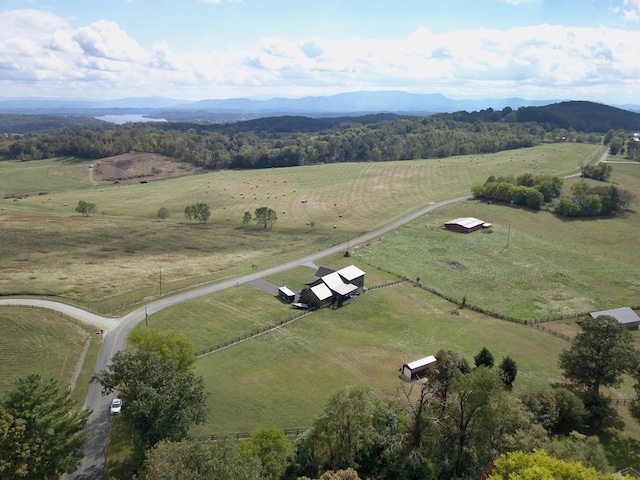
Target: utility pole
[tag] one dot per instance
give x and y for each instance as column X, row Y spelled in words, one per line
column 146, row 317
column 508, row 235
column 160, row 280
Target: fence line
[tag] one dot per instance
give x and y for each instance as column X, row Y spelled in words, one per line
column 259, row 331
column 475, row 308
column 292, row 432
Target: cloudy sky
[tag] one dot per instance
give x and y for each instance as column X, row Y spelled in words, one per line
column 196, row 49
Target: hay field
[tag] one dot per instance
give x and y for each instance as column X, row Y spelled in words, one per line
column 116, row 257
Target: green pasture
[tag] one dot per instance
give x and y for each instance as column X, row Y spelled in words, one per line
column 528, row 265
column 283, row 378
column 43, row 341
column 116, row 257
column 33, row 178
column 243, row 309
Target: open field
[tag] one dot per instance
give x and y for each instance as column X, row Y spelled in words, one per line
column 283, row 378
column 551, row 266
column 35, row 340
column 117, row 257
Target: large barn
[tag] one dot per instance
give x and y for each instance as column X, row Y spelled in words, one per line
column 466, row 224
column 624, row 315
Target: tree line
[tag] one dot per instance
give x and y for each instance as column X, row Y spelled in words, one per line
column 210, row 147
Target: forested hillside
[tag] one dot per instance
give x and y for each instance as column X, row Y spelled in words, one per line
column 21, row 123
column 290, row 141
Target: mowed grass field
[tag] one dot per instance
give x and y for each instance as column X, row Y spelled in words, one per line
column 529, row 265
column 117, row 256
column 283, row 378
column 35, row 340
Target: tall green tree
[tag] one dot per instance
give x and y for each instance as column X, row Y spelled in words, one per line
column 272, row 448
column 540, row 465
column 41, row 431
column 187, row 460
column 265, row 217
column 347, row 429
column 246, row 218
column 484, row 358
column 599, row 355
column 158, row 397
column 169, row 345
column 86, row 208
column 509, row 370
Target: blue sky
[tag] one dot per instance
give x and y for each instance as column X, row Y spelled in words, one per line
column 196, row 49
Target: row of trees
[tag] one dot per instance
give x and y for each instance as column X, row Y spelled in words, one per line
column 527, row 190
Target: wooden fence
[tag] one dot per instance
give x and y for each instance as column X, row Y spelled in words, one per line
column 259, row 331
column 293, row 432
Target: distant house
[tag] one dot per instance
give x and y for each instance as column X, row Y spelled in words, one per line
column 624, row 315
column 418, row 368
column 328, row 286
column 286, row 294
column 466, row 224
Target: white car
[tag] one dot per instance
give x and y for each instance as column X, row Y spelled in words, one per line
column 116, row 406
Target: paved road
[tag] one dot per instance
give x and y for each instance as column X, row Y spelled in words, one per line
column 117, row 331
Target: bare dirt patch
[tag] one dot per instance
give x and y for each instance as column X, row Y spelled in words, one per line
column 455, row 264
column 141, row 166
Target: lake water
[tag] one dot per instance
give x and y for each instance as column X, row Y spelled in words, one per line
column 129, row 117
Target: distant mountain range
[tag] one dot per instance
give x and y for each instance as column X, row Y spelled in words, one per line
column 354, row 103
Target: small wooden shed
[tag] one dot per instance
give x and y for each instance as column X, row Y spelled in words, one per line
column 418, row 368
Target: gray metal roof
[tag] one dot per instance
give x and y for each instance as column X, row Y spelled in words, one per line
column 624, row 315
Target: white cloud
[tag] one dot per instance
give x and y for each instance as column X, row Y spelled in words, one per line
column 41, row 54
column 632, row 10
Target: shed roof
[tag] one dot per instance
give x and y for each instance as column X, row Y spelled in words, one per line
column 466, row 222
column 335, row 283
column 351, row 272
column 423, row 362
column 287, row 291
column 321, row 291
column 624, row 315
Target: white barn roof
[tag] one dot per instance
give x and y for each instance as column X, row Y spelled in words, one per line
column 423, row 362
column 335, row 283
column 466, row 222
column 351, row 272
column 321, row 291
column 624, row 315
